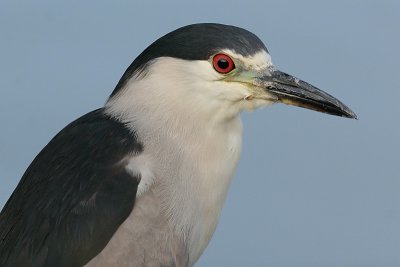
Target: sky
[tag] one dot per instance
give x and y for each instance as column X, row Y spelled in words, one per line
column 310, row 189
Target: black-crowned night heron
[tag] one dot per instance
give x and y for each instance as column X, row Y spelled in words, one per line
column 141, row 181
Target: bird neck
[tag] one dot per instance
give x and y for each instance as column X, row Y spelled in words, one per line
column 173, row 106
column 196, row 150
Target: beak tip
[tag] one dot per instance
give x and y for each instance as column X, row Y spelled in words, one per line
column 348, row 113
column 353, row 116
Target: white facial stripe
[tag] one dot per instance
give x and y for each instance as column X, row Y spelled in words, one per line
column 258, row 61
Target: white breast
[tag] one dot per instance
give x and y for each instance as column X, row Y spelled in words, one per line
column 191, row 132
column 181, row 193
column 191, row 176
column 205, row 177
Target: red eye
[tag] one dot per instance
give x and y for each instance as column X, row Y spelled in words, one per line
column 223, row 63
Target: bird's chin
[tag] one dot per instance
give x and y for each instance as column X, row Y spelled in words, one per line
column 253, row 103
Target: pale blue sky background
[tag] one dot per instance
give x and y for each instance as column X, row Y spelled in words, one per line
column 311, row 189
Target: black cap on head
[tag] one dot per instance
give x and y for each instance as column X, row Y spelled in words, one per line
column 196, row 42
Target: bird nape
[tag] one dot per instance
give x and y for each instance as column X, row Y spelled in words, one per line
column 142, row 180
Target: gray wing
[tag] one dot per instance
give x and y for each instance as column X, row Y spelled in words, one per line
column 72, row 198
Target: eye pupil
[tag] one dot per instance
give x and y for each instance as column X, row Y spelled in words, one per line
column 223, row 63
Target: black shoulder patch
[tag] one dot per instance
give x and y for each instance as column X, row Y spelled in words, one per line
column 73, row 196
